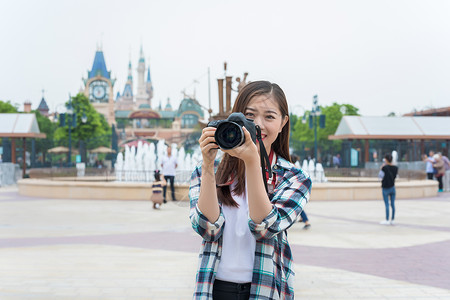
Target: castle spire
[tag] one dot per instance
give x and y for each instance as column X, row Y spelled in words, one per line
column 148, row 74
column 99, row 66
column 128, row 89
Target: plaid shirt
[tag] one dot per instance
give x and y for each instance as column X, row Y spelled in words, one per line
column 273, row 276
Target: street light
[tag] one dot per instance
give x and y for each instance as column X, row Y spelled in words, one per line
column 71, row 117
column 315, row 112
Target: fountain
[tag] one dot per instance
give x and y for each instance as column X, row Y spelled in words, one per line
column 138, row 164
column 316, row 172
column 134, row 172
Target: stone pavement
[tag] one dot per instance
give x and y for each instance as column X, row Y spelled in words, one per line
column 104, row 249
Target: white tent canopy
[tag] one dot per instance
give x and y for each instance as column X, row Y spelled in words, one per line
column 19, row 126
column 418, row 128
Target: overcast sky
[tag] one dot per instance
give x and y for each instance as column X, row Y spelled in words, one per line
column 381, row 56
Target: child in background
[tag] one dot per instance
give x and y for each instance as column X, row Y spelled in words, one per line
column 157, row 188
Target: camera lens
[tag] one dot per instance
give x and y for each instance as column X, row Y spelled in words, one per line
column 229, row 135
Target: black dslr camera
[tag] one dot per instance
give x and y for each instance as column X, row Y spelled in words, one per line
column 229, row 133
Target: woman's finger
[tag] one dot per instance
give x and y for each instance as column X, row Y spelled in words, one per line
column 247, row 134
column 207, row 133
column 208, row 140
column 210, row 147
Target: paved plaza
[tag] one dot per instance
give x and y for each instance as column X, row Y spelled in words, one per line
column 105, row 249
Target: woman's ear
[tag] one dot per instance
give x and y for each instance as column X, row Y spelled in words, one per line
column 285, row 120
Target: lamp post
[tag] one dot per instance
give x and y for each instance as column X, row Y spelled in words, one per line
column 315, row 112
column 72, row 122
column 71, row 118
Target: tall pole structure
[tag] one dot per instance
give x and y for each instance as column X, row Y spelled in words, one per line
column 228, row 94
column 69, row 110
column 315, row 113
column 209, row 94
column 315, row 139
column 220, row 83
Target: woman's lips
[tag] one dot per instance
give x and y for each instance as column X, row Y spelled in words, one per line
column 263, row 136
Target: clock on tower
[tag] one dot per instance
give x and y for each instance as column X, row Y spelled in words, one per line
column 98, row 91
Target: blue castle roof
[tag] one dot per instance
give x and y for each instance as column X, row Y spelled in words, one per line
column 99, row 66
column 127, row 91
column 148, row 75
column 43, row 105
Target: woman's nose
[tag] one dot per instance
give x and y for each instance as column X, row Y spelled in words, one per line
column 258, row 121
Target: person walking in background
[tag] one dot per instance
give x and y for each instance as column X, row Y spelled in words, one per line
column 157, row 188
column 388, row 173
column 304, row 219
column 169, row 164
column 337, row 160
column 429, row 160
column 446, row 162
column 439, row 165
column 446, row 177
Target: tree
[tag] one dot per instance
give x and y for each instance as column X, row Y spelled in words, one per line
column 303, row 136
column 7, row 107
column 95, row 132
column 45, row 126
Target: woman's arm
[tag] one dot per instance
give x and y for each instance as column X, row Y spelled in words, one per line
column 209, row 231
column 290, row 196
column 207, row 200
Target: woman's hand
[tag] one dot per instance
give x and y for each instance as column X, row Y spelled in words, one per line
column 207, row 199
column 248, row 151
column 208, row 146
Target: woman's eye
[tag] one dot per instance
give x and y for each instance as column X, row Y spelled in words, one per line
column 249, row 115
column 270, row 117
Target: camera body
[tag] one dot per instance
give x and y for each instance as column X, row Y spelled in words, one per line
column 229, row 133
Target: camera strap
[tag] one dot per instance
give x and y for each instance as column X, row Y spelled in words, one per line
column 265, row 163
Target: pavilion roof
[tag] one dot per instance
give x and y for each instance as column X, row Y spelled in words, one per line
column 404, row 128
column 19, row 126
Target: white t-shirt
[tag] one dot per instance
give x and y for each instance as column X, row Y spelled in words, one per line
column 238, row 248
column 429, row 165
column 169, row 165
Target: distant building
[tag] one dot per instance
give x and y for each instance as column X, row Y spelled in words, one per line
column 43, row 107
column 433, row 112
column 132, row 111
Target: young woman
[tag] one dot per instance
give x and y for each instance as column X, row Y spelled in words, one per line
column 389, row 172
column 245, row 253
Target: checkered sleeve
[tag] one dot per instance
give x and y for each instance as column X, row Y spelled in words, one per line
column 207, row 230
column 289, row 198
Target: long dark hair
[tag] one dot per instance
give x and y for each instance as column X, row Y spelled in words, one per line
column 232, row 168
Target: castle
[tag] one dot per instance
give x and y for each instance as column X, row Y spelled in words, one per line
column 132, row 112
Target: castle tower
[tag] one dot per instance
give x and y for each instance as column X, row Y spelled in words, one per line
column 142, row 96
column 99, row 87
column 43, row 107
column 127, row 94
column 149, row 86
column 125, row 101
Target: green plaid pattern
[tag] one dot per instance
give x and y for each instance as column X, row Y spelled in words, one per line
column 273, row 276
